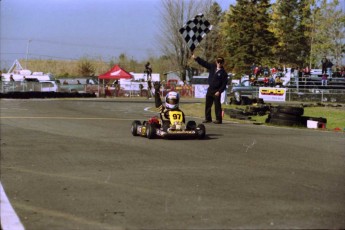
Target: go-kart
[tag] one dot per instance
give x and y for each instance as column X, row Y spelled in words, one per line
column 155, row 127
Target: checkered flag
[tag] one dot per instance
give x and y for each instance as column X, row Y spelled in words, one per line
column 195, row 30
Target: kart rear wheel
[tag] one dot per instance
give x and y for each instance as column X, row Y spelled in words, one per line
column 201, row 131
column 134, row 128
column 150, row 131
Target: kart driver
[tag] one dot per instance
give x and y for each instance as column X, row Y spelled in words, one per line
column 169, row 112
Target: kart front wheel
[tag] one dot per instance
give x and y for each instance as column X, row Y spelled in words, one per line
column 191, row 125
column 201, row 131
column 134, row 128
column 150, row 131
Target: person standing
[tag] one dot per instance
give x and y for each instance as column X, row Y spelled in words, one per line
column 149, row 88
column 324, row 64
column 117, row 88
column 324, row 80
column 296, row 75
column 217, row 81
column 148, row 71
column 329, row 66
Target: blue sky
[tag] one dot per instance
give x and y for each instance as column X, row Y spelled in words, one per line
column 70, row 29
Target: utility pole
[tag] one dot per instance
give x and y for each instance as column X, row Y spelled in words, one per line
column 27, row 53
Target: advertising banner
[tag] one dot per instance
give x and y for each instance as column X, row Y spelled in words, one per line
column 272, row 94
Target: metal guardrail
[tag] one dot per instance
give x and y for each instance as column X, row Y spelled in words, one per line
column 309, row 94
column 301, row 93
column 316, row 95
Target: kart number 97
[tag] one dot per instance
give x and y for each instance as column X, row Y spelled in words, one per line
column 175, row 116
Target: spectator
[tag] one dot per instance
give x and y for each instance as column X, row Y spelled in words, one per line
column 324, row 79
column 148, row 70
column 252, row 81
column 257, row 71
column 117, row 88
column 278, row 81
column 266, row 71
column 272, row 81
column 342, row 72
column 252, row 68
column 324, row 64
column 329, row 66
column 141, row 87
column 296, row 75
column 106, row 91
column 149, row 88
column 217, row 81
column 306, row 70
column 11, row 78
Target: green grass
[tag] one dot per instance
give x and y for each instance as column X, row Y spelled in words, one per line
column 335, row 115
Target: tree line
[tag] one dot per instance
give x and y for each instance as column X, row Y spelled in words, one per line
column 291, row 33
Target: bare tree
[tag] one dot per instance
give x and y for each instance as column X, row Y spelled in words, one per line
column 174, row 14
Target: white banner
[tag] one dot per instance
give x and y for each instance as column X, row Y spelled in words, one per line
column 272, row 94
column 200, row 91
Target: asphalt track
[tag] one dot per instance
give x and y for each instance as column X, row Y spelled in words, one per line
column 73, row 164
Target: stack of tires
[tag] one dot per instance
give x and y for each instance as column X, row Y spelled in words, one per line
column 237, row 114
column 259, row 110
column 286, row 116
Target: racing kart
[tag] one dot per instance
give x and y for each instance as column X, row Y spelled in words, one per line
column 155, row 127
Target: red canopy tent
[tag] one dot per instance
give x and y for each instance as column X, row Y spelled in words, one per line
column 115, row 73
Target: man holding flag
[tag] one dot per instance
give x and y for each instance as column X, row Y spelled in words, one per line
column 217, row 81
column 193, row 32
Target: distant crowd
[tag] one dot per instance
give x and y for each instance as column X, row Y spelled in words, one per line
column 272, row 76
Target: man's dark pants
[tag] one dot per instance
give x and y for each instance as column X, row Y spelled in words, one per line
column 210, row 99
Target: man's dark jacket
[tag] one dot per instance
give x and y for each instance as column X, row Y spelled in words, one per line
column 217, row 80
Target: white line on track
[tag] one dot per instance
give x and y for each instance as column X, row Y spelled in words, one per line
column 8, row 217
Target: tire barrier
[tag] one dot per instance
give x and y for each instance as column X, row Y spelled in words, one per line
column 285, row 116
column 237, row 114
column 259, row 110
column 28, row 95
column 293, row 110
column 245, row 114
column 244, row 100
column 291, row 116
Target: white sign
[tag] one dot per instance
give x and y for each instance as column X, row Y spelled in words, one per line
column 272, row 94
column 200, row 91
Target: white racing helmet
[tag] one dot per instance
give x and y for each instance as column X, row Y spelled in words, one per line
column 172, row 100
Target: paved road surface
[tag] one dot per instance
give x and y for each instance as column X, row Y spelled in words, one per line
column 73, row 164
